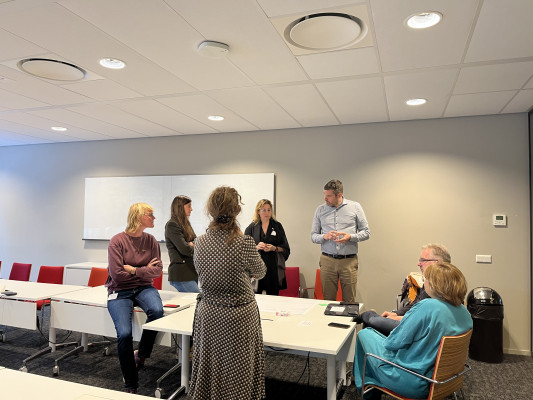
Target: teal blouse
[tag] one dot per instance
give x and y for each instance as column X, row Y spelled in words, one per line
column 413, row 345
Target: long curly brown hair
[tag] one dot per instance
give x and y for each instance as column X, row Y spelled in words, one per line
column 223, row 206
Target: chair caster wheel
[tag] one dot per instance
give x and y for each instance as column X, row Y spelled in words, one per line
column 106, row 351
column 24, row 369
column 55, row 371
column 159, row 393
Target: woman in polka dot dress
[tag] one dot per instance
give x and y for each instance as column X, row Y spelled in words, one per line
column 228, row 356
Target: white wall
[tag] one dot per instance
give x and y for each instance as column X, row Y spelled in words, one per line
column 418, row 182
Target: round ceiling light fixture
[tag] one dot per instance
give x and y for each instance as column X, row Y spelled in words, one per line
column 58, row 128
column 215, row 118
column 112, row 63
column 52, row 69
column 416, row 102
column 424, row 20
column 325, row 31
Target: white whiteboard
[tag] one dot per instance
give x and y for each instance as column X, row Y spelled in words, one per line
column 108, row 199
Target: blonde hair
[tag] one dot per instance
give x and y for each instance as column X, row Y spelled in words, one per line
column 447, row 282
column 259, row 206
column 137, row 210
column 223, row 206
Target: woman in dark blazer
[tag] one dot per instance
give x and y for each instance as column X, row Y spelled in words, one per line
column 270, row 238
column 179, row 237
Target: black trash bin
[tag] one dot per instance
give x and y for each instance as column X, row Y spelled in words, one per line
column 486, row 307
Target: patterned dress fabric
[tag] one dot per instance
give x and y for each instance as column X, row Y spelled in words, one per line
column 228, row 356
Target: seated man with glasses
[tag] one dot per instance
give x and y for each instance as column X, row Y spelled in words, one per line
column 412, row 292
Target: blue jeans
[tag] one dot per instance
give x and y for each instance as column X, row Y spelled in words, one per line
column 381, row 324
column 186, row 286
column 121, row 310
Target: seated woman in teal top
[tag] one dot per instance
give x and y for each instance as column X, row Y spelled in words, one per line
column 414, row 343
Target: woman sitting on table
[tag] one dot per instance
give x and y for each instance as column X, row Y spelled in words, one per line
column 228, row 356
column 179, row 237
column 270, row 239
column 415, row 342
column 134, row 262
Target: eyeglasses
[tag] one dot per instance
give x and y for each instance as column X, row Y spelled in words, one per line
column 264, row 210
column 151, row 215
column 423, row 260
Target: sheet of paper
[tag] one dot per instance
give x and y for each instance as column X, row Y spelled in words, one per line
column 294, row 306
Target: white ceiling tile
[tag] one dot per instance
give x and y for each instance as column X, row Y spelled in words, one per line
column 433, row 86
column 340, row 63
column 403, row 48
column 492, row 78
column 38, row 89
column 102, row 89
column 16, row 47
column 13, row 101
column 140, row 75
column 522, row 102
column 478, row 104
column 304, row 103
column 274, row 8
column 153, row 110
column 503, row 30
column 255, row 106
column 115, row 116
column 143, row 23
column 72, row 118
column 25, row 124
column 357, row 100
column 199, row 107
column 44, row 124
column 272, row 62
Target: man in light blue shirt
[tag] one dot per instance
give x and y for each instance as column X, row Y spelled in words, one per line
column 339, row 224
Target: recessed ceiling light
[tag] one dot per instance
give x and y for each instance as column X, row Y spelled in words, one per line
column 215, row 118
column 416, row 102
column 424, row 20
column 58, row 128
column 112, row 63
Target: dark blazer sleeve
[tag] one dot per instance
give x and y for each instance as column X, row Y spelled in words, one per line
column 174, row 234
column 284, row 241
column 253, row 231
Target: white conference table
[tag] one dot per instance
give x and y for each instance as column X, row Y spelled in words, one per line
column 21, row 385
column 86, row 311
column 299, row 333
column 20, row 310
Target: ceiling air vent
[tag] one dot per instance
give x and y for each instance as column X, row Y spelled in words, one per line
column 51, row 69
column 325, row 31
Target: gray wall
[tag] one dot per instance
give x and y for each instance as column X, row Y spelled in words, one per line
column 418, row 182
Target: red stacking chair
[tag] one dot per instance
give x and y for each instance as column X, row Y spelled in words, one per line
column 20, row 272
column 318, row 288
column 48, row 274
column 158, row 282
column 97, row 277
column 292, row 274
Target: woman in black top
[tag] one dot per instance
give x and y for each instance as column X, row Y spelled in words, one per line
column 179, row 237
column 270, row 238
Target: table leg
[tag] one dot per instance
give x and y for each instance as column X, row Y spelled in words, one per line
column 332, row 385
column 52, row 338
column 85, row 341
column 186, row 348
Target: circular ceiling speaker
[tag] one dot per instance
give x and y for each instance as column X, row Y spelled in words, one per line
column 325, row 31
column 51, row 69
